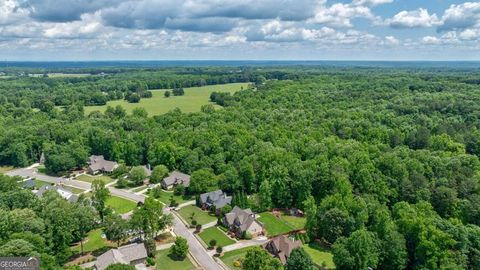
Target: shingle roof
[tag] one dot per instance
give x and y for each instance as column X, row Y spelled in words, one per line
column 63, row 192
column 124, row 255
column 98, row 163
column 284, row 246
column 217, row 198
column 241, row 218
column 177, row 178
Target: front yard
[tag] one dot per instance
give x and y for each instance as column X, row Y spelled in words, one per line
column 92, row 242
column 230, row 257
column 120, row 205
column 202, row 217
column 213, row 233
column 88, row 178
column 165, row 197
column 319, row 255
column 274, row 225
column 165, row 261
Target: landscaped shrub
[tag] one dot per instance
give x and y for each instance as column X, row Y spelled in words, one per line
column 150, row 261
column 213, row 243
column 237, row 264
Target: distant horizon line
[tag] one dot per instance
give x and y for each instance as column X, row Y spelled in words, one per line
column 233, row 60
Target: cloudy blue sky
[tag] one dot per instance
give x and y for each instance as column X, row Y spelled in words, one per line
column 239, row 29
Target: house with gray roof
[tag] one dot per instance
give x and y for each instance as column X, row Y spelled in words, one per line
column 282, row 246
column 133, row 254
column 65, row 193
column 215, row 198
column 241, row 221
column 175, row 178
column 98, row 164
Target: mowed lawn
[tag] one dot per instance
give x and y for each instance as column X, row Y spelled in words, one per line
column 213, row 233
column 297, row 223
column 165, row 261
column 192, row 101
column 120, row 205
column 166, row 196
column 319, row 255
column 274, row 225
column 88, row 178
column 93, row 241
column 230, row 257
column 202, row 217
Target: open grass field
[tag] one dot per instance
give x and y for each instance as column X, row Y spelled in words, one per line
column 202, row 217
column 93, row 242
column 4, row 169
column 165, row 261
column 213, row 233
column 297, row 223
column 229, row 257
column 89, row 178
column 319, row 255
column 274, row 225
column 165, row 198
column 192, row 101
column 120, row 205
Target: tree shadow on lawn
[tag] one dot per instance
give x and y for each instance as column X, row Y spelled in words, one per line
column 175, row 258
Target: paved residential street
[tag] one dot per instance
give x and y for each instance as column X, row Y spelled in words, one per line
column 196, row 249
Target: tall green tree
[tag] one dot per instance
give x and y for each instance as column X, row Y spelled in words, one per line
column 100, row 194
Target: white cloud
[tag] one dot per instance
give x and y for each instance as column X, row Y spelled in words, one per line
column 412, row 19
column 10, row 12
column 371, row 2
column 466, row 15
column 430, row 40
column 391, row 40
column 340, row 15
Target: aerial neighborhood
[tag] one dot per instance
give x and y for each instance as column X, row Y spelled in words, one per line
column 217, row 221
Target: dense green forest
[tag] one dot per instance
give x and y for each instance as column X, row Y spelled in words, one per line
column 384, row 162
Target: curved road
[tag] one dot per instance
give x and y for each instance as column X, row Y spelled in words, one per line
column 196, row 249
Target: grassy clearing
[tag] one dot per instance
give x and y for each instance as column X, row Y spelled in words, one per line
column 274, row 225
column 213, row 233
column 165, row 261
column 297, row 223
column 4, row 169
column 120, row 205
column 202, row 217
column 229, row 257
column 192, row 101
column 89, row 178
column 166, row 196
column 320, row 255
column 93, row 242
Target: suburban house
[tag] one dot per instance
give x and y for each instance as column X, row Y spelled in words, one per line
column 29, row 183
column 98, row 164
column 147, row 170
column 216, row 198
column 242, row 221
column 175, row 178
column 281, row 247
column 133, row 254
column 63, row 192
